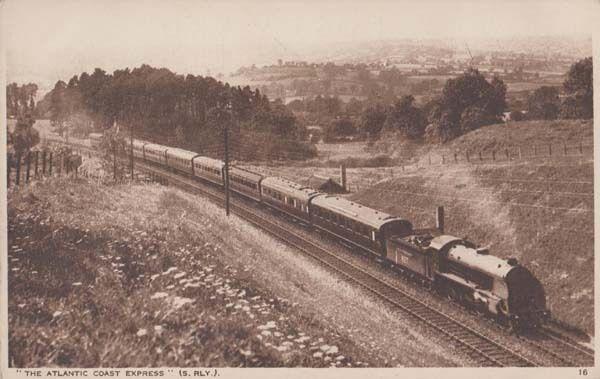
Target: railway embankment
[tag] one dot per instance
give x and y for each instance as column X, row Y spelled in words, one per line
column 146, row 275
column 542, row 214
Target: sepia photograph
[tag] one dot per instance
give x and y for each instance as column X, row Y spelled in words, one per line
column 196, row 186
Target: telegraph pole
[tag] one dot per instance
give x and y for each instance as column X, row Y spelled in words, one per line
column 131, row 150
column 226, row 140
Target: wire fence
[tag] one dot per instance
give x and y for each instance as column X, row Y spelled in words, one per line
column 507, row 154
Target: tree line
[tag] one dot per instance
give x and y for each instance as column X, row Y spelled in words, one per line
column 159, row 105
column 20, row 105
column 466, row 102
column 576, row 100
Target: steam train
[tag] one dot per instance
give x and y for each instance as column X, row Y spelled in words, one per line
column 450, row 265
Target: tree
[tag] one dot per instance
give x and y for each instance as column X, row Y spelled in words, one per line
column 468, row 102
column 372, row 120
column 579, row 87
column 354, row 107
column 340, row 127
column 544, row 103
column 20, row 99
column 517, row 116
column 160, row 105
column 405, row 117
column 58, row 105
column 24, row 137
column 442, row 129
column 282, row 120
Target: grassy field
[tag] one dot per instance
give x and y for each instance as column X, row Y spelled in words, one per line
column 145, row 275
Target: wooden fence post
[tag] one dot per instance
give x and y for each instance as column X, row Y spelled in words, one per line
column 28, row 165
column 18, row 171
column 115, row 162
column 36, row 162
column 580, row 148
column 455, row 158
column 480, row 157
column 8, row 169
column 507, row 154
column 493, row 155
column 550, row 149
column 50, row 164
column 44, row 162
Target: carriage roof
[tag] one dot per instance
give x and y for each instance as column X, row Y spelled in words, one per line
column 356, row 211
column 289, row 188
column 208, row 162
column 241, row 172
column 181, row 153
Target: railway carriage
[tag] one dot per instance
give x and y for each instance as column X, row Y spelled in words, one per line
column 181, row 160
column 138, row 149
column 208, row 169
column 155, row 153
column 245, row 182
column 287, row 196
column 360, row 225
column 95, row 140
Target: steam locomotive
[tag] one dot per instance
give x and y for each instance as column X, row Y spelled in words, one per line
column 450, row 265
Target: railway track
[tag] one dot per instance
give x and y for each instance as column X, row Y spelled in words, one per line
column 565, row 351
column 484, row 350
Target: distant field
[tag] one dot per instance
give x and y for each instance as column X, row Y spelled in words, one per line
column 526, row 86
column 441, row 78
column 336, row 151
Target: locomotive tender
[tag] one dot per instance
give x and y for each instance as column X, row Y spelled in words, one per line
column 450, row 265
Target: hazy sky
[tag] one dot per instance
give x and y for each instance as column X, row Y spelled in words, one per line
column 48, row 40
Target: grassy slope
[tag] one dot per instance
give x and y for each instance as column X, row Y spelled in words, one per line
column 525, row 133
column 144, row 275
column 548, row 226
